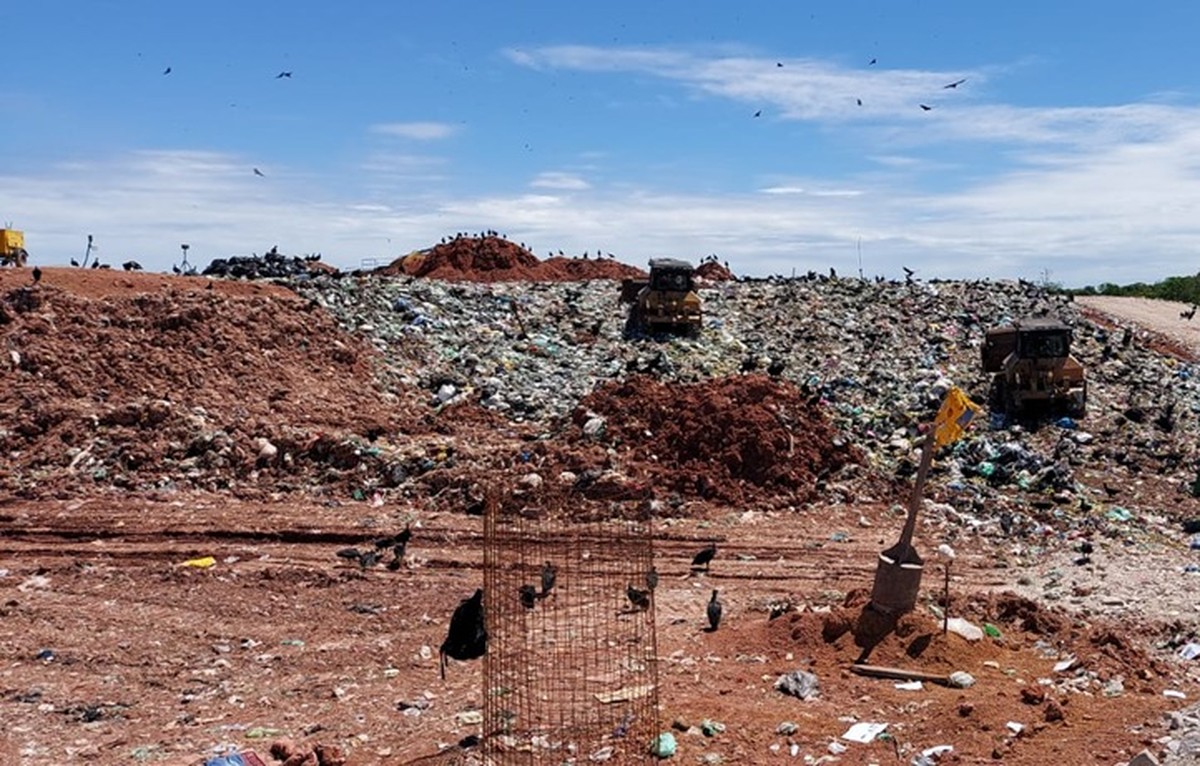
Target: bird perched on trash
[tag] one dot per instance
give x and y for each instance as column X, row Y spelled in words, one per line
column 776, row 367
column 704, row 557
column 37, row 275
column 528, row 595
column 714, row 612
column 549, row 575
column 639, row 598
column 467, row 636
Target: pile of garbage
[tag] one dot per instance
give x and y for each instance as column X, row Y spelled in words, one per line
column 271, row 265
column 489, row 257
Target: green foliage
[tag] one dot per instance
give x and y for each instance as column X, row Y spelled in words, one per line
column 1182, row 289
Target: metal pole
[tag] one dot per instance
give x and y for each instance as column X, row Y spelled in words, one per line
column 910, row 524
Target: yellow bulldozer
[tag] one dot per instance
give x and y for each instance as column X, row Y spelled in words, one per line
column 1033, row 371
column 664, row 304
column 12, row 248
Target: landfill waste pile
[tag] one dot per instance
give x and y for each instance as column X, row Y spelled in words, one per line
column 189, row 458
column 271, row 265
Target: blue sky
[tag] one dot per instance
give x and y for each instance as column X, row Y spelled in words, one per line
column 1069, row 151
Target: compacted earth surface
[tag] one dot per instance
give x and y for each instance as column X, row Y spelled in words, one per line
column 184, row 457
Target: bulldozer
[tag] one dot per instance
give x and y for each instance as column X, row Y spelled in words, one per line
column 664, row 304
column 1033, row 372
column 12, row 248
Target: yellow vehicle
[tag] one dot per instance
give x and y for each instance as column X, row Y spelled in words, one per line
column 666, row 303
column 1033, row 370
column 12, row 248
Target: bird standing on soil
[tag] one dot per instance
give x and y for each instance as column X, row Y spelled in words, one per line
column 1110, row 491
column 704, row 557
column 350, row 554
column 714, row 612
column 467, row 636
column 639, row 598
column 549, row 575
column 528, row 595
column 368, row 559
column 652, row 578
column 131, row 266
column 37, row 275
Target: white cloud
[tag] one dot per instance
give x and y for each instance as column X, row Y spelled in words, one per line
column 418, row 131
column 563, row 181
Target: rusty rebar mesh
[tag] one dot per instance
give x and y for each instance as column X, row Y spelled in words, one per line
column 576, row 675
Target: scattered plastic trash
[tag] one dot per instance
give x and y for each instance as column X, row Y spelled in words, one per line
column 960, row 679
column 1189, row 651
column 663, row 745
column 799, row 683
column 1066, row 663
column 1117, row 513
column 1014, row 727
column 1174, row 694
column 244, row 758
column 787, row 728
column 200, row 563
column 863, row 732
column 961, row 627
column 991, row 630
column 45, row 655
column 910, row 686
column 711, row 728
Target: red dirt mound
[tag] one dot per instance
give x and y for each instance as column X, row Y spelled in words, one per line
column 181, row 386
column 714, row 272
column 495, row 259
column 721, row 439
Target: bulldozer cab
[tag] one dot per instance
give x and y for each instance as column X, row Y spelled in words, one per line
column 1050, row 342
column 669, row 275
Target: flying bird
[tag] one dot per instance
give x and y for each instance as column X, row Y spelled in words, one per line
column 259, row 173
column 859, row 100
column 758, row 113
column 467, row 636
column 714, row 612
column 779, row 63
column 283, row 74
column 926, row 108
column 704, row 557
column 871, row 62
column 907, row 271
column 954, row 84
column 167, row 70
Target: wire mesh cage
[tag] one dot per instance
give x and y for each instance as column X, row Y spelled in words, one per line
column 571, row 671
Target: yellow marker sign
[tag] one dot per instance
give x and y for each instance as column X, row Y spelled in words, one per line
column 955, row 414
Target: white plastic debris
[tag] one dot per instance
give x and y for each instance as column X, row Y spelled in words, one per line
column 961, row 627
column 864, row 732
column 910, row 686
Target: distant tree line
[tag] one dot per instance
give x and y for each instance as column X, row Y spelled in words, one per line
column 1182, row 289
